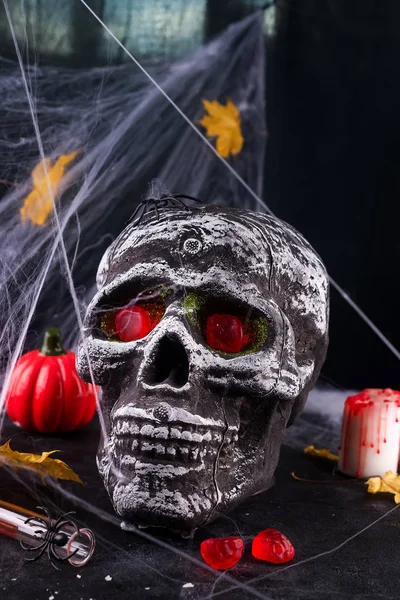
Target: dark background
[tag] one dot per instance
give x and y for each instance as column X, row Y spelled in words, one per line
column 332, row 165
column 333, row 154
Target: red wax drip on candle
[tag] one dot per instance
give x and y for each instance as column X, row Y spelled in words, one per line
column 386, row 424
column 378, row 446
column 367, row 408
column 345, row 436
column 361, row 450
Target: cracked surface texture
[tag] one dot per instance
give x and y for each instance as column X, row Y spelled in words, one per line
column 191, row 431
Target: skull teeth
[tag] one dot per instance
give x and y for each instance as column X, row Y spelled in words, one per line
column 186, row 433
column 175, row 433
column 126, row 428
column 175, row 442
column 187, row 436
column 126, row 448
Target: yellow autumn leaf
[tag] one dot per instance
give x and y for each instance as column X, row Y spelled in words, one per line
column 323, row 453
column 224, row 123
column 390, row 482
column 39, row 203
column 41, row 464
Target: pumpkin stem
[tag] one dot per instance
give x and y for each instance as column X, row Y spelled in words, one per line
column 52, row 343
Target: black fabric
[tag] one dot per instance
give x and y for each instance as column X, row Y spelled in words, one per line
column 331, row 165
column 315, row 516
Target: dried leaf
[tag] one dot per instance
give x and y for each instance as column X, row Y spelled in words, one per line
column 390, row 482
column 224, row 123
column 323, row 453
column 39, row 203
column 41, row 464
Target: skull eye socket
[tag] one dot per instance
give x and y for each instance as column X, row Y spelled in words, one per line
column 132, row 323
column 226, row 333
column 229, row 327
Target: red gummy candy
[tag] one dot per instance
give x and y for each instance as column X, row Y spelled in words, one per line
column 225, row 333
column 222, row 553
column 271, row 545
column 132, row 323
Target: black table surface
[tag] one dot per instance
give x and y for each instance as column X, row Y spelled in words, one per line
column 318, row 517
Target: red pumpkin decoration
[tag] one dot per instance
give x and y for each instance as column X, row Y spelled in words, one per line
column 45, row 392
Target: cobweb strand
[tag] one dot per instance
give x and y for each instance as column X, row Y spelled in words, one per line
column 256, row 197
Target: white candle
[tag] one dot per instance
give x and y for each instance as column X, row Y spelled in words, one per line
column 370, row 439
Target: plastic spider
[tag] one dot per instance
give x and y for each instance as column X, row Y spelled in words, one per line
column 52, row 537
column 165, row 201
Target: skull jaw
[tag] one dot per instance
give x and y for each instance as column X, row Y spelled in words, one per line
column 181, row 513
column 177, row 498
column 182, row 493
column 151, row 495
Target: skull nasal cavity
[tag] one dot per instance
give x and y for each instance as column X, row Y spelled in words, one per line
column 170, row 364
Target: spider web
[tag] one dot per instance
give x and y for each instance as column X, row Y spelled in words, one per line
column 105, row 111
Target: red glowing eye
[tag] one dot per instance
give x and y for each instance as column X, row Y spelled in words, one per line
column 133, row 323
column 225, row 333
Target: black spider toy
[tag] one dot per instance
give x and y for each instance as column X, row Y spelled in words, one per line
column 52, row 537
column 164, row 201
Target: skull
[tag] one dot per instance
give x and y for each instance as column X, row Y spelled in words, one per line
column 208, row 331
